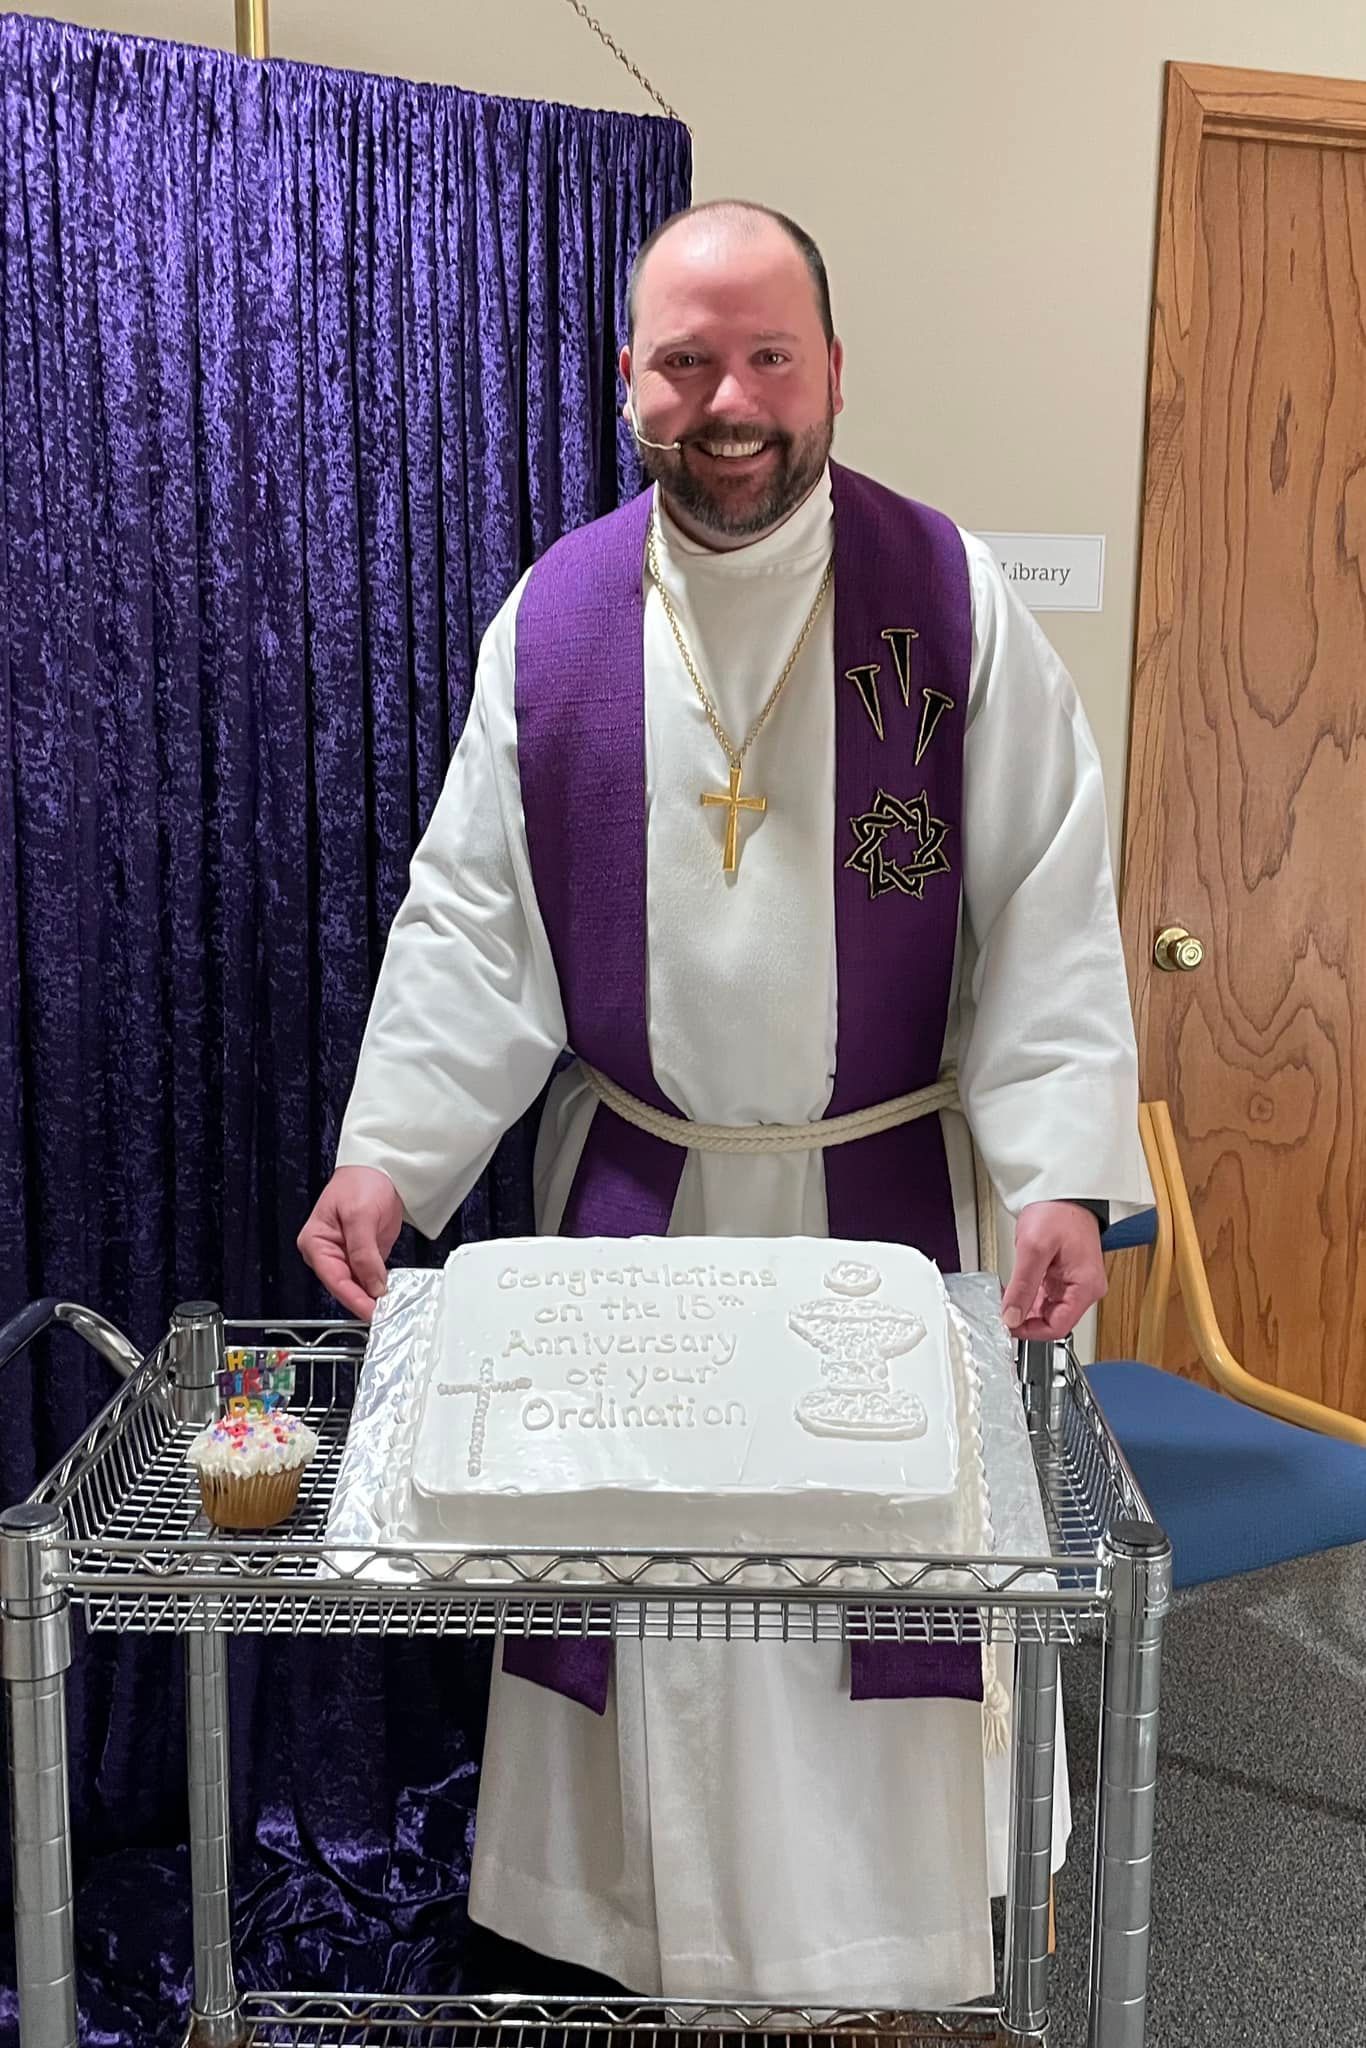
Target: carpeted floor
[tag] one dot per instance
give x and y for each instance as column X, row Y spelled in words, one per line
column 1259, row 1905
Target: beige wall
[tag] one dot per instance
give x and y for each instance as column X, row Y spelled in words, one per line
column 981, row 176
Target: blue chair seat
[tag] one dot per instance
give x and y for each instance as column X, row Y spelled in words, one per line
column 1235, row 1490
column 1131, row 1233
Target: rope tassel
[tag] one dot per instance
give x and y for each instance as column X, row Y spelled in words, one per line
column 995, row 1704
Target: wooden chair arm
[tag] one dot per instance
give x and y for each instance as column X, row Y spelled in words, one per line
column 1169, row 1182
column 1152, row 1314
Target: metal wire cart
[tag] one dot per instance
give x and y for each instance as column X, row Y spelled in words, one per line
column 116, row 1531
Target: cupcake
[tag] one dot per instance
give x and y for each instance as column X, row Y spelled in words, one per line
column 249, row 1467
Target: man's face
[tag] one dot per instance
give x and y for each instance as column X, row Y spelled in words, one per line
column 730, row 358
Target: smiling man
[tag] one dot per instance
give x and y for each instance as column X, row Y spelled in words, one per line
column 752, row 436
column 772, row 803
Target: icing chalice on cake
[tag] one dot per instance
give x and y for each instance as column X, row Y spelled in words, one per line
column 857, row 1338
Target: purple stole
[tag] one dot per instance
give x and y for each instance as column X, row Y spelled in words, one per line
column 903, row 652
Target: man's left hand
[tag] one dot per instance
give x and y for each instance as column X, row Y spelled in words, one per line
column 1058, row 1274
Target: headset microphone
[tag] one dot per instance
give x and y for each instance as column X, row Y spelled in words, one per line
column 666, row 447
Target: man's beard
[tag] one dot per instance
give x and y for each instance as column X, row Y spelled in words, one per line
column 801, row 458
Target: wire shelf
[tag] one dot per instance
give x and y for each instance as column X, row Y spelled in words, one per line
column 309, row 2020
column 138, row 1555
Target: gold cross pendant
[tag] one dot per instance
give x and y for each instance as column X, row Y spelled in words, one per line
column 736, row 803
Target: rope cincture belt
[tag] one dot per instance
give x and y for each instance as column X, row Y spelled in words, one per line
column 750, row 1139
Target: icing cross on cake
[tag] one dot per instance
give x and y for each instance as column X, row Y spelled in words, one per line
column 483, row 1389
column 856, row 1337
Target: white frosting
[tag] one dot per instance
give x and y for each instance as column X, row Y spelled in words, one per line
column 790, row 1395
column 243, row 1448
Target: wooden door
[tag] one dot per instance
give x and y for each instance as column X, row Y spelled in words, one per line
column 1246, row 805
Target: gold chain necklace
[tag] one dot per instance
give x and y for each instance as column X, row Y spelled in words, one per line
column 735, row 756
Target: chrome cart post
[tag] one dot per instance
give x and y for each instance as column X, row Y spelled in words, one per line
column 197, row 1356
column 1139, row 1557
column 216, row 2014
column 35, row 1651
column 1035, row 1720
column 1043, row 1376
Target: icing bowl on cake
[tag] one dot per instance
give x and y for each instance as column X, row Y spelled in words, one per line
column 250, row 1466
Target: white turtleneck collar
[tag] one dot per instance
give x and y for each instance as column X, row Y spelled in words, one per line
column 803, row 537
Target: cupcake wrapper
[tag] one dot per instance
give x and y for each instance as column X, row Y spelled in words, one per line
column 257, row 1502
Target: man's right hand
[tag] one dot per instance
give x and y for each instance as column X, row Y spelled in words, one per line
column 350, row 1235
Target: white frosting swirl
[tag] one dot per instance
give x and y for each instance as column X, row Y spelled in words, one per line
column 244, row 1445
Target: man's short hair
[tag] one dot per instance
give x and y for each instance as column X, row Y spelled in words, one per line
column 811, row 255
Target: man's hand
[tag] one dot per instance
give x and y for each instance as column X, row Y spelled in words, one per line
column 1058, row 1273
column 350, row 1235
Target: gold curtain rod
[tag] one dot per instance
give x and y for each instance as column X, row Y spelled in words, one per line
column 253, row 28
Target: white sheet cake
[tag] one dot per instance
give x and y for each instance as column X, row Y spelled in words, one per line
column 793, row 1395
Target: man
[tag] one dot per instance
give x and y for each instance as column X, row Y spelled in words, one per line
column 772, row 802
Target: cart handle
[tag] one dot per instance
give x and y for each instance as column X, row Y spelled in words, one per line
column 21, row 1329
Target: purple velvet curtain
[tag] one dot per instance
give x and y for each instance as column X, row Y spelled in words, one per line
column 298, row 371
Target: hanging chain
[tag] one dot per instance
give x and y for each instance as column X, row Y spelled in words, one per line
column 734, row 755
column 639, row 76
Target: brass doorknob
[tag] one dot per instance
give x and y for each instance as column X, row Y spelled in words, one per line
column 1177, row 951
